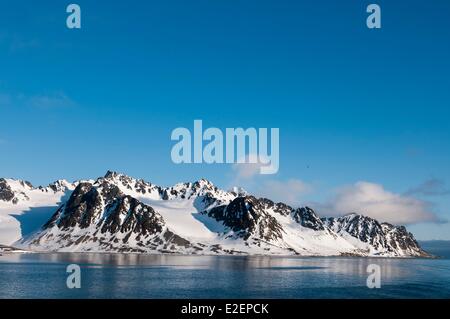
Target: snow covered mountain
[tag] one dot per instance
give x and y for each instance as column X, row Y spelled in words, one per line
column 117, row 213
column 369, row 234
column 24, row 208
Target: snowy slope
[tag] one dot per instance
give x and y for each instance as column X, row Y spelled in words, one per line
column 23, row 208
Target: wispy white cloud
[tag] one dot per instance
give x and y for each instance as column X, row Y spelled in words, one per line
column 292, row 191
column 431, row 187
column 250, row 169
column 18, row 44
column 43, row 101
column 365, row 198
column 375, row 201
column 50, row 101
column 14, row 42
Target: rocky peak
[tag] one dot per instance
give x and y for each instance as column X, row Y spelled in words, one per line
column 246, row 217
column 6, row 193
column 203, row 185
column 201, row 189
column 83, row 206
column 364, row 228
column 111, row 174
column 129, row 184
column 60, row 185
column 306, row 217
column 14, row 191
column 399, row 239
column 279, row 208
column 90, row 204
column 384, row 238
column 203, row 182
column 127, row 214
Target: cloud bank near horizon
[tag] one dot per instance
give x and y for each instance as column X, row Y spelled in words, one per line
column 362, row 197
column 373, row 200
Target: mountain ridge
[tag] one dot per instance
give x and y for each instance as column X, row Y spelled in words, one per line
column 118, row 213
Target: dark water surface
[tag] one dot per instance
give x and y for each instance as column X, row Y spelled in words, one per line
column 169, row 276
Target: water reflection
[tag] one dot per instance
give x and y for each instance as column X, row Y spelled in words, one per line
column 173, row 276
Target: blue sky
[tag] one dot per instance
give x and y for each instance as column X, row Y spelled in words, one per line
column 352, row 104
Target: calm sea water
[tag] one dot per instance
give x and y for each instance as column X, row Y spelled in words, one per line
column 166, row 276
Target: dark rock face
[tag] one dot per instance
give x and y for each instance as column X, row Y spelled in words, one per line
column 139, row 218
column 189, row 190
column 109, row 191
column 366, row 229
column 306, row 217
column 6, row 193
column 140, row 186
column 81, row 208
column 399, row 238
column 279, row 208
column 121, row 213
column 110, row 219
column 246, row 217
column 173, row 239
column 53, row 187
column 27, row 183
